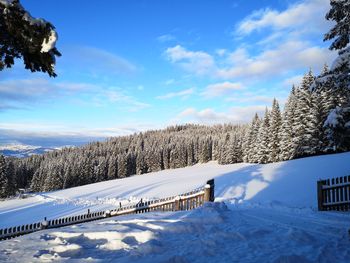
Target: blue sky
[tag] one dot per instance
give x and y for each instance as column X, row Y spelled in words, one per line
column 128, row 66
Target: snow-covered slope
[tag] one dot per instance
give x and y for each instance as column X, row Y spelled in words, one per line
column 268, row 215
column 24, row 150
column 292, row 183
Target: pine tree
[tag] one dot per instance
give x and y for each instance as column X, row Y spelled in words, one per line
column 4, row 182
column 275, row 132
column 337, row 129
column 338, row 120
column 287, row 133
column 340, row 14
column 11, row 177
column 250, row 141
column 112, row 168
column 23, row 36
column 303, row 115
column 263, row 140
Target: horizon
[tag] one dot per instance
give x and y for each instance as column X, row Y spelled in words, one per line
column 135, row 66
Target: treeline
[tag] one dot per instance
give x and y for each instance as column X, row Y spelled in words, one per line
column 120, row 157
column 310, row 124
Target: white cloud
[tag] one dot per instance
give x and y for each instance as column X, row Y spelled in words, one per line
column 182, row 94
column 307, row 15
column 14, row 92
column 98, row 61
column 286, row 57
column 295, row 80
column 116, row 95
column 219, row 89
column 197, row 62
column 35, row 130
column 169, row 82
column 252, row 98
column 286, row 47
column 221, row 52
column 210, row 116
column 166, row 38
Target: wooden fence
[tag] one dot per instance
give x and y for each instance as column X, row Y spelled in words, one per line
column 334, row 194
column 186, row 201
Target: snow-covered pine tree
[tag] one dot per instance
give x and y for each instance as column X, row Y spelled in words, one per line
column 263, row 140
column 340, row 14
column 250, row 141
column 303, row 116
column 275, row 132
column 337, row 124
column 112, row 168
column 54, row 179
column 11, row 177
column 141, row 164
column 287, row 132
column 23, row 36
column 315, row 124
column 4, row 180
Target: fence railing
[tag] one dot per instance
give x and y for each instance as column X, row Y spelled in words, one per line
column 186, row 201
column 334, row 194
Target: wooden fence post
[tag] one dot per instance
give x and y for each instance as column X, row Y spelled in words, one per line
column 177, row 203
column 207, row 193
column 210, row 190
column 320, row 195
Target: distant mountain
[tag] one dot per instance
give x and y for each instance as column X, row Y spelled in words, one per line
column 22, row 150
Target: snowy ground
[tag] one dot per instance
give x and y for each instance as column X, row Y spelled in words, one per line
column 214, row 233
column 264, row 213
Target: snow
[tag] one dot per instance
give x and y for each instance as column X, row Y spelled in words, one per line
column 18, row 147
column 214, row 233
column 262, row 213
column 49, row 44
column 332, row 118
column 240, row 182
column 6, row 2
column 343, row 58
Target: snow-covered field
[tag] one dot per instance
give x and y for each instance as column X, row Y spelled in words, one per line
column 263, row 213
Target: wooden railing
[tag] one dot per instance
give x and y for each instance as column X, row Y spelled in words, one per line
column 186, row 201
column 334, row 194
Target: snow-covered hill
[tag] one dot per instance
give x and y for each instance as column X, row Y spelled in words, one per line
column 268, row 215
column 292, row 183
column 24, row 150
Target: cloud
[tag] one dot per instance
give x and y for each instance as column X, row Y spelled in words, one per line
column 308, row 15
column 45, row 134
column 98, row 61
column 285, row 47
column 295, row 80
column 197, row 62
column 169, row 82
column 286, row 57
column 219, row 89
column 220, row 52
column 210, row 116
column 251, row 98
column 114, row 95
column 182, row 94
column 14, row 93
column 166, row 38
